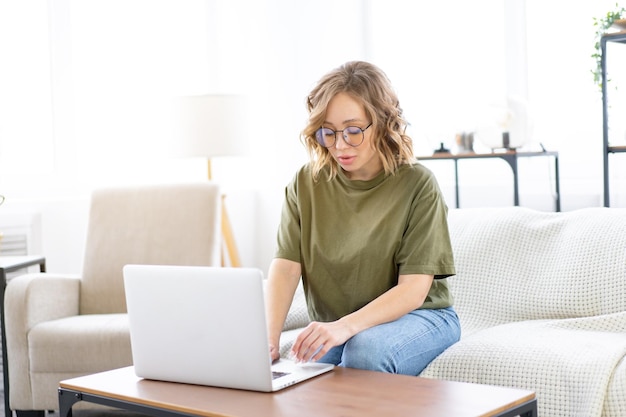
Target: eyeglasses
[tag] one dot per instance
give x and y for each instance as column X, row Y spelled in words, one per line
column 352, row 135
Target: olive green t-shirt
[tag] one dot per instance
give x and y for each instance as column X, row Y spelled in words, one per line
column 353, row 238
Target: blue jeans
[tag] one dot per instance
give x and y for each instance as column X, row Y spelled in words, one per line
column 405, row 346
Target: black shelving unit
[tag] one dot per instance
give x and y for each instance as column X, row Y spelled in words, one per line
column 606, row 148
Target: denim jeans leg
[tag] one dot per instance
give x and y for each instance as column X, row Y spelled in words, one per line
column 333, row 355
column 405, row 346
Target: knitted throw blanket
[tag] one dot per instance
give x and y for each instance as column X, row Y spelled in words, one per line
column 542, row 302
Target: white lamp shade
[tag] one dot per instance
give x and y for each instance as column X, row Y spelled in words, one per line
column 210, row 125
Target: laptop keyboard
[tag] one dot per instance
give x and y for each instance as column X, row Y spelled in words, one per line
column 276, row 374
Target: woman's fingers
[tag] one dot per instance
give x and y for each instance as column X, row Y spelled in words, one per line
column 312, row 343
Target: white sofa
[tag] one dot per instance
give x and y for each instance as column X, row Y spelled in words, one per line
column 542, row 302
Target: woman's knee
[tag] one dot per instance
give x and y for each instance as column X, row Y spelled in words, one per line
column 400, row 348
column 366, row 351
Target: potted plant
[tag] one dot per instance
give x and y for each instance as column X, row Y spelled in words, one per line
column 602, row 26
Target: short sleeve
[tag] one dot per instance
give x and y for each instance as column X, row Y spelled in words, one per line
column 289, row 232
column 426, row 246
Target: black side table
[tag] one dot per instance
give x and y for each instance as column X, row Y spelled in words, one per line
column 12, row 264
column 510, row 157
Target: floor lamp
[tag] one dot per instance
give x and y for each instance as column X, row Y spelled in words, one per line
column 211, row 126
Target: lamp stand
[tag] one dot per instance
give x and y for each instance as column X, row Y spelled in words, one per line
column 228, row 247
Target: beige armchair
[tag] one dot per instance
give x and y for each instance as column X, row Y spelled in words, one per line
column 61, row 326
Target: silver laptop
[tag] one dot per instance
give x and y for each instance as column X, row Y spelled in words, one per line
column 205, row 326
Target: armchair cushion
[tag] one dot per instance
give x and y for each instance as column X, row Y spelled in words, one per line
column 96, row 341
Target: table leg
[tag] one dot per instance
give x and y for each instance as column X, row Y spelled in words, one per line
column 513, row 164
column 511, row 159
column 5, row 363
column 558, row 181
column 456, row 183
column 66, row 400
column 528, row 409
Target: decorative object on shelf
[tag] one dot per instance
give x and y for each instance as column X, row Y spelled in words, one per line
column 209, row 126
column 442, row 149
column 465, row 142
column 505, row 126
column 612, row 20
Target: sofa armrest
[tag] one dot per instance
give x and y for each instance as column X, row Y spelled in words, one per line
column 31, row 299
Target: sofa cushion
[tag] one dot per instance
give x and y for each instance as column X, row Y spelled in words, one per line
column 516, row 264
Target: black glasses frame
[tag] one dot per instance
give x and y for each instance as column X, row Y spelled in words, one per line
column 319, row 136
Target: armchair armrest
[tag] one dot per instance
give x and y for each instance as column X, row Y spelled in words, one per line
column 30, row 299
column 33, row 298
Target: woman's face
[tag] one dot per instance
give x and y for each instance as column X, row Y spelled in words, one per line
column 360, row 162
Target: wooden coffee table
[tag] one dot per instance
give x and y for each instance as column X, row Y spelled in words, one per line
column 342, row 392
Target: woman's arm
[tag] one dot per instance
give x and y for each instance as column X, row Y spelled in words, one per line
column 282, row 281
column 405, row 297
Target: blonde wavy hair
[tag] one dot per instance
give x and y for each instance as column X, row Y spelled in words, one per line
column 369, row 85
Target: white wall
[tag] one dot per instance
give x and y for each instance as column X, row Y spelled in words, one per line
column 106, row 65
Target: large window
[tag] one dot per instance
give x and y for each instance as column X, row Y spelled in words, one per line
column 84, row 94
column 84, row 87
column 84, row 83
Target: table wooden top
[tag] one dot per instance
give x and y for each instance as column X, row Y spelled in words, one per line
column 619, row 148
column 502, row 154
column 344, row 392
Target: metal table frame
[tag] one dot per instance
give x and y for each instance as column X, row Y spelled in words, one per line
column 11, row 264
column 511, row 158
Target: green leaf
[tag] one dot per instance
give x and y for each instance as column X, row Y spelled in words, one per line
column 602, row 25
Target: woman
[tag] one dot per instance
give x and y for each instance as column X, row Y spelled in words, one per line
column 365, row 227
